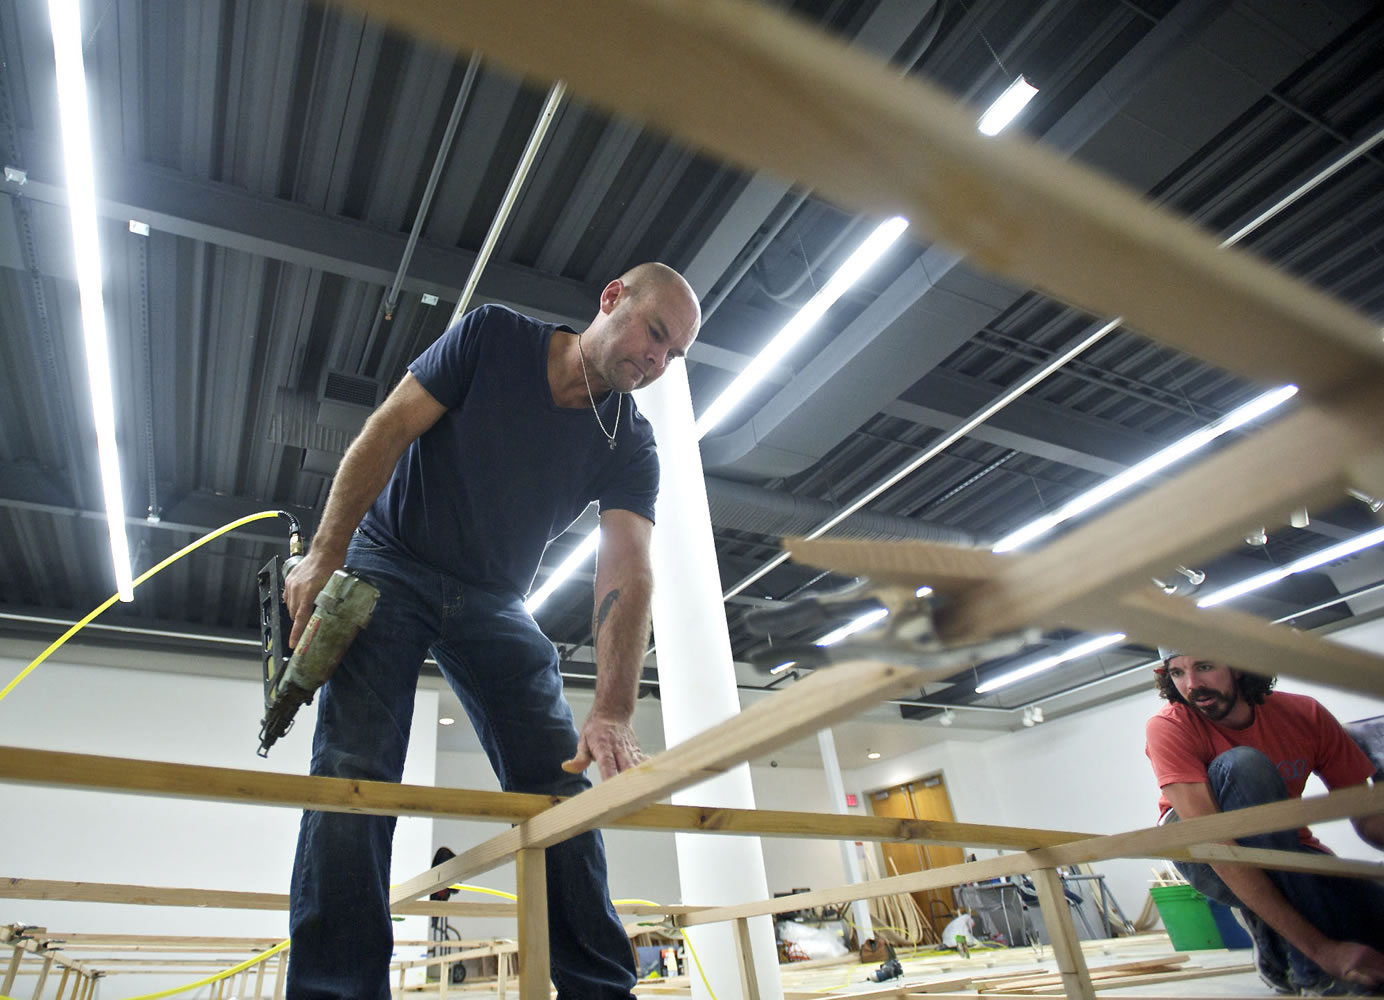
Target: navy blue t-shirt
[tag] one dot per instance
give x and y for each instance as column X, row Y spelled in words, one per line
column 505, row 470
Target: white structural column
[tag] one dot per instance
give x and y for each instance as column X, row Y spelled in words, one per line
column 850, row 860
column 697, row 687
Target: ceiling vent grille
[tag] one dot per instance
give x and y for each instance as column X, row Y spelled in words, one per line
column 345, row 400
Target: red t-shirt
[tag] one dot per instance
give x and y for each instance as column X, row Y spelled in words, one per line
column 1292, row 730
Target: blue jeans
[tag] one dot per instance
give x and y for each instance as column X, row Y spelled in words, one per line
column 1343, row 909
column 505, row 671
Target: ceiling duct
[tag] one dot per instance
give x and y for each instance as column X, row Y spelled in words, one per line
column 324, row 424
column 750, row 508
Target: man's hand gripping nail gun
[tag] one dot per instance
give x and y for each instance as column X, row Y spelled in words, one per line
column 343, row 606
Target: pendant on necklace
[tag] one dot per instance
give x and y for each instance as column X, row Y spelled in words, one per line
column 612, row 444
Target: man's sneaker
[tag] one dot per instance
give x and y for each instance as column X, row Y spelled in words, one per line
column 1328, row 986
column 1268, row 954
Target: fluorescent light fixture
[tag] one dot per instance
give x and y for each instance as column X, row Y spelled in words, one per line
column 1048, row 662
column 139, row 228
column 855, row 266
column 872, row 754
column 864, row 257
column 1007, row 106
column 923, row 591
column 1155, row 463
column 782, row 667
column 1327, row 555
column 65, row 22
column 446, row 720
column 851, row 628
column 570, row 565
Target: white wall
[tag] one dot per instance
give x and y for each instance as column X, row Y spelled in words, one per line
column 49, row 833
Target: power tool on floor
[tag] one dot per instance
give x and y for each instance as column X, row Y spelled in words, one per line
column 343, row 607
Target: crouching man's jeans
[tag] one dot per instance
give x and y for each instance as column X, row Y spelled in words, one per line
column 1343, row 909
column 506, row 674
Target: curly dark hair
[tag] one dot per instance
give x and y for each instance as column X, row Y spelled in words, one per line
column 1254, row 688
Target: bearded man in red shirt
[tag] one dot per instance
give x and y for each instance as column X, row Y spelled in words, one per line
column 1226, row 740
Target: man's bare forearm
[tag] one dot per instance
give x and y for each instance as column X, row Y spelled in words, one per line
column 620, row 625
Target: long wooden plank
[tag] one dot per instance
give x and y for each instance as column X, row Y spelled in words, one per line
column 1180, row 520
column 146, row 895
column 1081, row 578
column 744, row 82
column 1149, row 842
column 1319, row 864
column 807, row 707
column 1155, row 977
column 1066, row 945
column 531, row 884
column 50, row 768
column 1023, row 982
column 1223, row 633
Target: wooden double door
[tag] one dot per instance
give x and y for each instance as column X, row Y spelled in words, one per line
column 925, row 799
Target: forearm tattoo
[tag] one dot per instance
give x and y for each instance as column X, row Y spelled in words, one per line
column 603, row 613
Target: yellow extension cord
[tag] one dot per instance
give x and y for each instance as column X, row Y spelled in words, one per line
column 62, row 640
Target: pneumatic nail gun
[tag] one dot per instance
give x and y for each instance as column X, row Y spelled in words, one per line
column 343, row 607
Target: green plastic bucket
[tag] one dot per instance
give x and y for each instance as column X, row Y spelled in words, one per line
column 1186, row 917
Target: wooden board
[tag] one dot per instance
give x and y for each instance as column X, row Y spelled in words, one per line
column 147, row 895
column 1096, row 577
column 1149, row 842
column 531, row 883
column 1066, row 945
column 843, row 122
column 381, row 798
column 806, row 707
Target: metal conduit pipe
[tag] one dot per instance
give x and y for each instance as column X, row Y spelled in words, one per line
column 516, row 183
column 1078, row 346
column 444, row 149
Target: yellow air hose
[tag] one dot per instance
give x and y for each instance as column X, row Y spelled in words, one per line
column 61, row 640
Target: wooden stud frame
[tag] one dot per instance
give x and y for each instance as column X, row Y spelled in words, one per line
column 840, row 121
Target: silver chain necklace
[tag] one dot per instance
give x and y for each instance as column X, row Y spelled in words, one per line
column 619, row 401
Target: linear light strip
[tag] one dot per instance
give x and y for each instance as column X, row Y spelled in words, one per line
column 855, row 266
column 1007, row 106
column 65, row 21
column 1155, row 463
column 1048, row 662
column 1260, row 580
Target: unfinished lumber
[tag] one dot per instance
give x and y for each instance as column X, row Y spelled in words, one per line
column 744, row 953
column 381, row 798
column 843, row 122
column 1120, row 550
column 1245, row 640
column 43, row 976
column 806, row 707
column 1312, row 863
column 1152, row 978
column 1023, row 982
column 1148, row 842
column 1066, row 945
column 531, row 883
column 99, row 892
column 16, row 957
